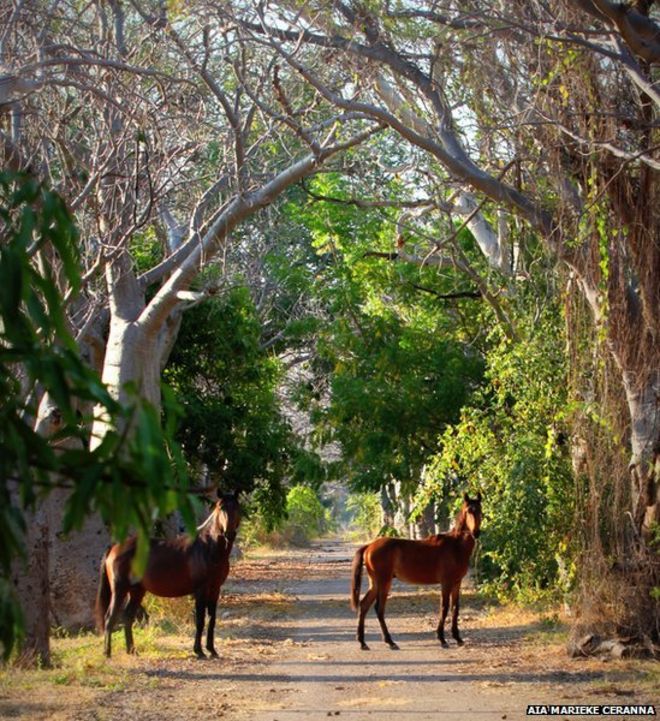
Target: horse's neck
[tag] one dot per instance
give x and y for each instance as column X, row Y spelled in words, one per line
column 229, row 540
column 461, row 532
column 460, row 526
column 464, row 537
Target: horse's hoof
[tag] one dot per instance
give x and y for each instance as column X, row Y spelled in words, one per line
column 364, row 646
column 444, row 644
column 460, row 642
column 393, row 646
column 200, row 655
column 213, row 653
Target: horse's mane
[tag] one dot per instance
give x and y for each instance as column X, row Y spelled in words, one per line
column 459, row 522
column 438, row 537
column 204, row 526
column 211, row 527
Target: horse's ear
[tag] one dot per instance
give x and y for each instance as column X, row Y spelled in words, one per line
column 479, row 496
column 466, row 498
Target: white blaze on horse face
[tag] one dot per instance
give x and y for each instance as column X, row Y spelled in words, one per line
column 472, row 523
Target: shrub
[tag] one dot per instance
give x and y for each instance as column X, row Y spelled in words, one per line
column 366, row 514
column 305, row 518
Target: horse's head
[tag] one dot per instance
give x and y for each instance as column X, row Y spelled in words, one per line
column 471, row 514
column 228, row 515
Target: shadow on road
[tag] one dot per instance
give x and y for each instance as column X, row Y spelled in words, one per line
column 332, row 679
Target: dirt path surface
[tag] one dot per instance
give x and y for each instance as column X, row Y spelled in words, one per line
column 323, row 673
column 288, row 652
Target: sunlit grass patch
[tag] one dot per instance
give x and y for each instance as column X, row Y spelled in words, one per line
column 171, row 615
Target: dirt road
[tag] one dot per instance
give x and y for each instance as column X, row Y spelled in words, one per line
column 287, row 639
column 495, row 675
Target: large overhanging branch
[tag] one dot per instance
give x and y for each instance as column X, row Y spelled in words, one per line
column 641, row 33
column 196, row 250
column 635, row 73
column 447, row 150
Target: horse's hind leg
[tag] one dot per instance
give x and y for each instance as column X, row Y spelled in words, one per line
column 455, row 593
column 365, row 604
column 381, row 600
column 133, row 606
column 443, row 615
column 114, row 611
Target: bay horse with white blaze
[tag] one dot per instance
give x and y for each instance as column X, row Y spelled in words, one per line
column 442, row 559
column 176, row 567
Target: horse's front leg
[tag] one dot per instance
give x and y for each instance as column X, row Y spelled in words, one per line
column 212, row 608
column 200, row 610
column 443, row 615
column 455, row 592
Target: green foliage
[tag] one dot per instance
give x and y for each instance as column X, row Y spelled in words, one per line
column 305, row 515
column 393, row 389
column 231, row 421
column 146, row 250
column 397, row 369
column 508, row 445
column 129, row 479
column 365, row 512
column 303, row 518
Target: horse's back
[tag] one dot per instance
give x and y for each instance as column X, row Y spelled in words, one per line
column 175, row 566
column 430, row 561
column 168, row 572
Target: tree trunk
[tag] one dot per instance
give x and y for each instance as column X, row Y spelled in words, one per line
column 31, row 577
column 131, row 356
column 74, row 567
column 425, row 524
column 643, row 400
column 131, row 364
column 31, row 582
column 387, row 505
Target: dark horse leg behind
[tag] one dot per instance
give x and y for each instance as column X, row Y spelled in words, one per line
column 453, row 595
column 136, row 594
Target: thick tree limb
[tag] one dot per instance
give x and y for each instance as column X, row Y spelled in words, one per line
column 196, row 250
column 641, row 33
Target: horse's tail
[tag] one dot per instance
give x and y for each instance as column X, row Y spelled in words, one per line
column 103, row 594
column 356, row 576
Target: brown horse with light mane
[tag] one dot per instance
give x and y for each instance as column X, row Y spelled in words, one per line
column 176, row 567
column 439, row 559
